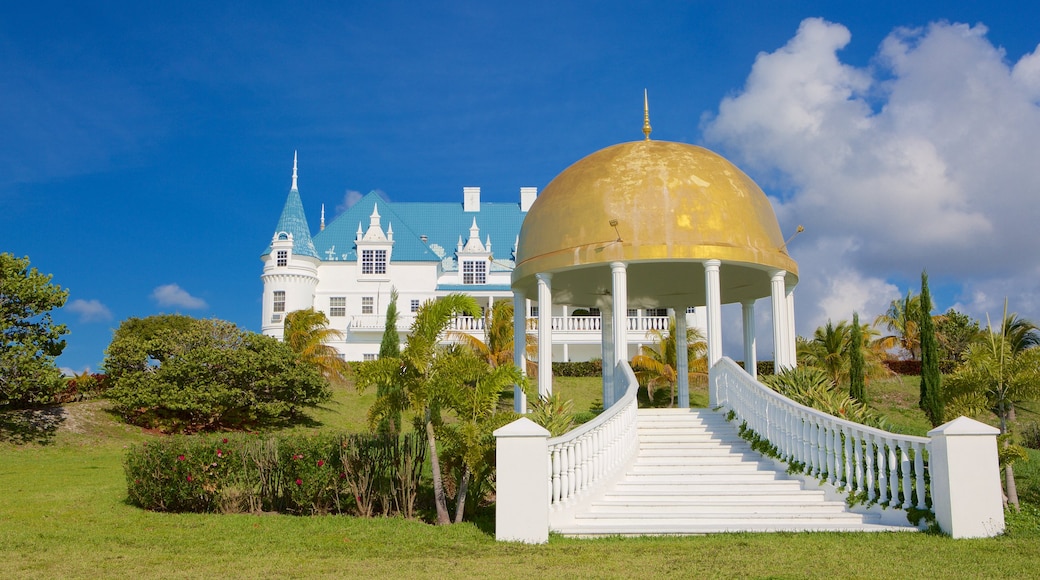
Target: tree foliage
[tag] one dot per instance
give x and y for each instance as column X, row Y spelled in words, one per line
column 308, row 334
column 655, row 365
column 996, row 377
column 830, row 350
column 931, row 380
column 29, row 339
column 903, row 318
column 955, row 331
column 208, row 374
column 810, row 386
column 390, row 346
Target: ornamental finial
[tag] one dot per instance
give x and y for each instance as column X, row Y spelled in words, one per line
column 294, row 170
column 646, row 116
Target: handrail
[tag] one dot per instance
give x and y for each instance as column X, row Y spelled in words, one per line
column 592, row 453
column 876, row 465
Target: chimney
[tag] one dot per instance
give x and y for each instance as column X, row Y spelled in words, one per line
column 527, row 197
column 471, row 199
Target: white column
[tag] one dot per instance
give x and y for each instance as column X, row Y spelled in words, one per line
column 713, row 292
column 619, row 276
column 792, row 343
column 781, row 340
column 544, row 335
column 682, row 363
column 606, row 325
column 519, row 348
column 750, row 351
column 566, row 353
column 966, row 490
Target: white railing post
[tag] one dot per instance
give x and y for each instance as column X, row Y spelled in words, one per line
column 522, row 503
column 966, row 491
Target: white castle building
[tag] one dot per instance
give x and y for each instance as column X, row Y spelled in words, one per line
column 424, row 250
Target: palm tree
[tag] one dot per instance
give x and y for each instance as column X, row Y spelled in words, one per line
column 996, row 377
column 416, row 380
column 307, row 333
column 830, row 350
column 472, row 390
column 497, row 349
column 902, row 318
column 1021, row 333
column 655, row 365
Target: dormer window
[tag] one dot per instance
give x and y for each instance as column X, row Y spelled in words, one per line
column 474, row 272
column 283, row 258
column 373, row 261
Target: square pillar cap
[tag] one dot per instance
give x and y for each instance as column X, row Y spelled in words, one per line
column 522, row 427
column 963, row 426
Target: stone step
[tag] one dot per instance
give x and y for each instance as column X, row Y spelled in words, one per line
column 766, row 506
column 658, row 528
column 735, row 469
column 656, row 450
column 723, row 496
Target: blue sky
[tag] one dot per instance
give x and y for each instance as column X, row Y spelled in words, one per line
column 147, row 150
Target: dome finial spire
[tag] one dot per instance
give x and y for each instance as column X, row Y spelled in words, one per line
column 294, row 170
column 646, row 116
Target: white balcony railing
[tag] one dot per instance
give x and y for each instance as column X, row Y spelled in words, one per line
column 562, row 325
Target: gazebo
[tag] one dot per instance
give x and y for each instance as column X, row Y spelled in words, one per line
column 653, row 224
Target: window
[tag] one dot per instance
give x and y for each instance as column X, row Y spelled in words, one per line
column 534, row 312
column 594, row 312
column 633, row 312
column 279, row 300
column 474, row 272
column 691, row 310
column 415, row 306
column 338, row 306
column 369, row 356
column 368, row 305
column 283, row 257
column 373, row 261
column 657, row 312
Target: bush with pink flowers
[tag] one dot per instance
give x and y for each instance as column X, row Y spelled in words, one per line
column 357, row 474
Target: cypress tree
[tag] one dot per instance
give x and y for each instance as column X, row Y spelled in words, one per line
column 391, row 344
column 931, row 379
column 390, row 347
column 857, row 388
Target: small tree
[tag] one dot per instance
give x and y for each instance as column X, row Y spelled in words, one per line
column 391, row 343
column 390, row 348
column 655, row 365
column 955, row 331
column 211, row 375
column 29, row 339
column 857, row 387
column 994, row 376
column 931, row 401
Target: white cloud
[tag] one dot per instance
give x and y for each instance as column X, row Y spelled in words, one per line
column 924, row 160
column 90, row 310
column 174, row 295
column 350, row 199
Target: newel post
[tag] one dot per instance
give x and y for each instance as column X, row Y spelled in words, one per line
column 522, row 504
column 966, row 494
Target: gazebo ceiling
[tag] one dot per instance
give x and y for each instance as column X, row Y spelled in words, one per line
column 661, row 207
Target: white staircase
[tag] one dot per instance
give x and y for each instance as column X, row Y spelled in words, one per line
column 695, row 475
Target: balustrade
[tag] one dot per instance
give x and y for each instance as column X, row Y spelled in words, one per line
column 586, row 456
column 886, row 468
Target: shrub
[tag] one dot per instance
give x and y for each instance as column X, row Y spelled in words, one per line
column 304, row 475
column 1031, row 436
column 904, row 367
column 592, row 368
column 206, row 375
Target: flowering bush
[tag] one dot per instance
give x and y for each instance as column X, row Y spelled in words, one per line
column 359, row 474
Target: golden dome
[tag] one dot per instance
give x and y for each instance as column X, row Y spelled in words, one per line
column 674, row 205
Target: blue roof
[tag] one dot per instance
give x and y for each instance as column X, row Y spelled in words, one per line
column 294, row 221
column 441, row 222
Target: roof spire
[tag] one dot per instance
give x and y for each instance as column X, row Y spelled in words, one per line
column 322, row 226
column 646, row 116
column 294, row 170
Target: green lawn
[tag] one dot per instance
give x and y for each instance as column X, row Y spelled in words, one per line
column 63, row 515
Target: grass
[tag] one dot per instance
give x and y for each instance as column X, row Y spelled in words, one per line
column 63, row 514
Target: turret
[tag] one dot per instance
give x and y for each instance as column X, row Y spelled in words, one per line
column 290, row 265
